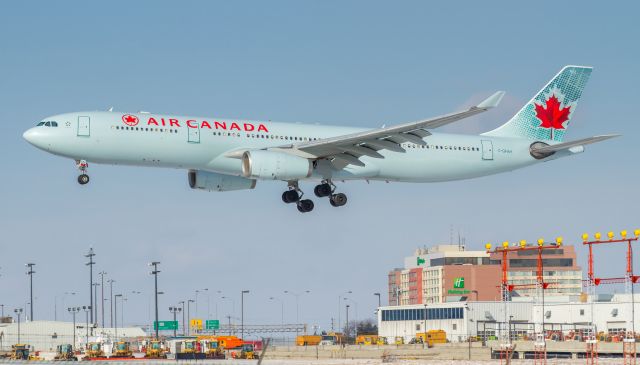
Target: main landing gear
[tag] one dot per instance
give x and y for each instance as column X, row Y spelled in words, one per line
column 325, row 189
column 83, row 178
column 294, row 195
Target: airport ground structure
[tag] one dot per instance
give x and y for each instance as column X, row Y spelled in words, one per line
column 47, row 335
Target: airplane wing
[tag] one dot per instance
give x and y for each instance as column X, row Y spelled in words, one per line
column 548, row 150
column 347, row 149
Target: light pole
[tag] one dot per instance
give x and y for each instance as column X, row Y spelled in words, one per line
column 30, row 272
column 346, row 326
column 90, row 264
column 174, row 310
column 102, row 274
column 281, row 308
column 424, row 338
column 189, row 316
column 18, row 311
column 184, row 328
column 155, row 274
column 242, row 313
column 379, row 300
column 115, row 307
column 2, row 306
column 340, row 307
column 111, row 281
column 73, row 311
column 297, row 295
column 356, row 317
column 87, row 309
column 198, row 291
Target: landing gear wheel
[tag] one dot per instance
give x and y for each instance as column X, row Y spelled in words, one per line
column 305, row 206
column 322, row 190
column 290, row 196
column 338, row 200
column 83, row 179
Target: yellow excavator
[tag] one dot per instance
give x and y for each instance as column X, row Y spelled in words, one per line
column 65, row 353
column 247, row 352
column 94, row 350
column 123, row 350
column 155, row 350
column 20, row 352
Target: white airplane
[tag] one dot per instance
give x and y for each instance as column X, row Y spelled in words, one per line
column 229, row 154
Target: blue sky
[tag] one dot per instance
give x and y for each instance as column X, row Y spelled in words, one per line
column 348, row 63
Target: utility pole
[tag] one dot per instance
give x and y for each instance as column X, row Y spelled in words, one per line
column 90, row 264
column 102, row 274
column 30, row 273
column 111, row 281
column 155, row 274
column 242, row 313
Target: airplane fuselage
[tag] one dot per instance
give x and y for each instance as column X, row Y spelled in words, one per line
column 204, row 144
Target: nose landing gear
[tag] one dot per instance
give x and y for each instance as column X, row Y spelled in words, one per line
column 294, row 195
column 83, row 178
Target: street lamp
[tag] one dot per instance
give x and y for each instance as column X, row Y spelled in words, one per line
column 18, row 311
column 87, row 309
column 281, row 309
column 340, row 306
column 174, row 310
column 155, row 274
column 198, row 291
column 379, row 300
column 102, row 274
column 73, row 311
column 95, row 303
column 356, row 320
column 184, row 328
column 297, row 295
column 111, row 281
column 242, row 313
column 346, row 327
column 115, row 307
column 189, row 315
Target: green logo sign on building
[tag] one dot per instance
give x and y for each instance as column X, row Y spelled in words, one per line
column 420, row 261
column 458, row 283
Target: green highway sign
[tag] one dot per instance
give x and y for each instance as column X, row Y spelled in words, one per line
column 212, row 324
column 165, row 325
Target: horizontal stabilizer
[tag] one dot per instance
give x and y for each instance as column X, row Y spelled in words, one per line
column 567, row 145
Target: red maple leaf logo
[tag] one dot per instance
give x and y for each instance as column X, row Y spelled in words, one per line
column 129, row 119
column 553, row 116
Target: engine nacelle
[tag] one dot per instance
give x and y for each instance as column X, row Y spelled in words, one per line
column 270, row 165
column 212, row 181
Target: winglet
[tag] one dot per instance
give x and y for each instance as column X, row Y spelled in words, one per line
column 492, row 101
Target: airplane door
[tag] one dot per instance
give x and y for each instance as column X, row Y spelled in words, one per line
column 487, row 150
column 84, row 127
column 194, row 135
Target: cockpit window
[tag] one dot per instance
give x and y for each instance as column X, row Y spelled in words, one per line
column 39, row 124
column 47, row 124
column 54, row 124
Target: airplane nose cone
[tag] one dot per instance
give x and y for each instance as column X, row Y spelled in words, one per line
column 34, row 136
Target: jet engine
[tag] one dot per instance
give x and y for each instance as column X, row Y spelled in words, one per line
column 271, row 165
column 212, row 181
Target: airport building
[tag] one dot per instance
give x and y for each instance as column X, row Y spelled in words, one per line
column 450, row 273
column 565, row 315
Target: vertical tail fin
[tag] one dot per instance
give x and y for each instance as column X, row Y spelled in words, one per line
column 547, row 115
